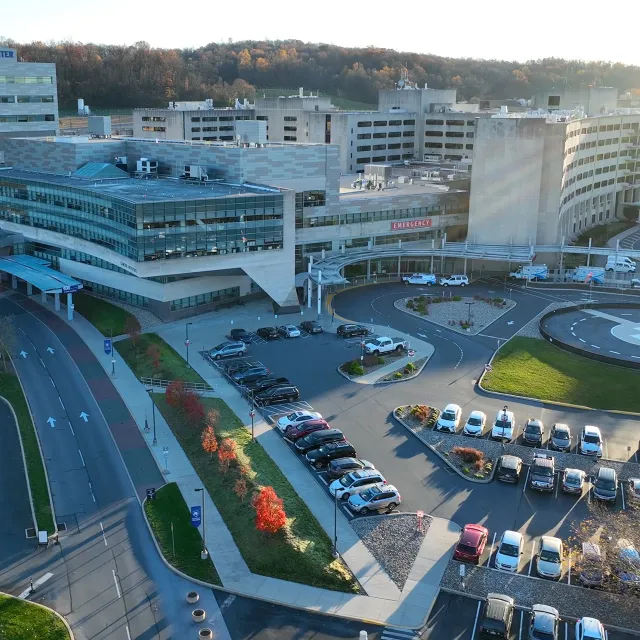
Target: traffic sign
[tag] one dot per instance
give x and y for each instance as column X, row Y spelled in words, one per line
column 411, row 353
column 252, row 413
column 187, row 343
column 196, row 516
column 107, row 346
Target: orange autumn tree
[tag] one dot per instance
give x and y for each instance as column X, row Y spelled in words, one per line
column 209, row 442
column 270, row 515
column 226, row 453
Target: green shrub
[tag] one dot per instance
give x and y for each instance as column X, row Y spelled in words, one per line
column 397, row 375
column 379, row 360
column 410, row 367
column 354, row 368
column 457, row 298
column 421, row 299
column 410, row 304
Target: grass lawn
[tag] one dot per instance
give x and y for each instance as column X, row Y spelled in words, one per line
column 21, row 620
column 535, row 368
column 172, row 364
column 103, row 315
column 169, row 507
column 301, row 551
column 11, row 390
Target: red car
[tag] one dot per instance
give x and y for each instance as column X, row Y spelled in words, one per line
column 297, row 431
column 473, row 540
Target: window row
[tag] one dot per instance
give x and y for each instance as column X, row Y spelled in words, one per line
column 26, row 80
column 153, row 119
column 25, row 99
column 49, row 117
column 383, row 123
column 450, row 123
column 221, row 118
column 205, row 298
column 448, row 145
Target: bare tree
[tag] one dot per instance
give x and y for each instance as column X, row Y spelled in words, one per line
column 8, row 337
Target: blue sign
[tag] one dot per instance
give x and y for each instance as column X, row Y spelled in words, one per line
column 7, row 53
column 107, row 346
column 71, row 288
column 196, row 516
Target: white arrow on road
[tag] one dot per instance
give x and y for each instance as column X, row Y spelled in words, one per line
column 421, row 335
column 510, row 322
column 50, row 349
column 52, row 422
column 84, row 416
column 23, row 354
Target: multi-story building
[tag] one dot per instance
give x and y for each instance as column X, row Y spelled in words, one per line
column 28, row 97
column 540, row 178
column 593, row 101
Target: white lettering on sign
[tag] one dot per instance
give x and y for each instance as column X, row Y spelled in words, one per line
column 410, row 224
column 124, row 265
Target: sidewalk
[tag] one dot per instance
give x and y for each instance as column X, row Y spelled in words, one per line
column 384, row 603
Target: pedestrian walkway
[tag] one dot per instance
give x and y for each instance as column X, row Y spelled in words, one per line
column 384, row 603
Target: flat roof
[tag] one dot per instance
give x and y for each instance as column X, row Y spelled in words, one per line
column 398, row 188
column 37, row 272
column 138, row 191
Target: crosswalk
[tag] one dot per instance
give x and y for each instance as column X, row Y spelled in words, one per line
column 394, row 633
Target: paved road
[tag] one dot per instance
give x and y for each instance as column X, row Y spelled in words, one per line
column 107, row 578
column 14, row 495
column 632, row 241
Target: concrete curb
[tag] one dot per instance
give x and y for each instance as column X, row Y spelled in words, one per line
column 442, row 456
column 415, row 374
column 462, row 332
column 49, row 609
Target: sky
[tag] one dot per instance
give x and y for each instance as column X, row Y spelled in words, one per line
column 461, row 29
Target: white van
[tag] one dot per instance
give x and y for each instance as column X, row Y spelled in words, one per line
column 622, row 264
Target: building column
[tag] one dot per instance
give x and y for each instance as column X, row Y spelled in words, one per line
column 56, row 297
column 43, row 297
column 69, row 307
column 309, row 283
column 465, row 265
column 29, row 289
column 368, row 269
column 319, row 293
column 399, row 266
column 14, row 282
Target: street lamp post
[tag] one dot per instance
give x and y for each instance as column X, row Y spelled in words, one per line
column 113, row 360
column 153, row 409
column 335, row 524
column 252, row 413
column 362, row 343
column 204, row 553
column 469, row 307
column 186, row 341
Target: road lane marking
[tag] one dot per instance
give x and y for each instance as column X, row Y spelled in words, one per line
column 582, row 319
column 595, row 346
column 103, row 536
column 493, row 544
column 581, row 340
column 71, row 427
column 39, row 582
column 526, row 480
column 61, row 403
column 573, row 334
column 115, row 580
column 521, row 621
column 129, row 632
column 616, row 352
column 533, row 550
column 575, row 323
column 475, row 622
column 52, row 382
column 81, row 458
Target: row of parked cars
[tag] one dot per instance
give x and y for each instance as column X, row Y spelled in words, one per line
column 354, row 481
column 590, row 440
column 429, row 279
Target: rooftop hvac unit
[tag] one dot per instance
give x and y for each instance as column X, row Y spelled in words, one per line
column 144, row 165
column 121, row 162
column 195, row 172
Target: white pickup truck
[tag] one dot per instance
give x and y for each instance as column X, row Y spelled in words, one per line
column 382, row 344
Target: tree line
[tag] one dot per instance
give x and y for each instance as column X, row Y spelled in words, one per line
column 142, row 76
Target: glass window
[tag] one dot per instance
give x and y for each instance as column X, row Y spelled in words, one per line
column 409, row 122
column 436, row 123
column 364, row 123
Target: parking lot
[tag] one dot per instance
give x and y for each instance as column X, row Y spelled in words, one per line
column 456, row 617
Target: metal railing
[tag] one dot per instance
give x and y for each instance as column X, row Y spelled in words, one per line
column 163, row 384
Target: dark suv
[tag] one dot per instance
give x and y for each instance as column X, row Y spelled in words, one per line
column 321, row 457
column 268, row 333
column 497, row 616
column 542, row 474
column 352, row 330
column 533, row 433
column 240, row 334
column 250, row 375
column 318, row 439
column 280, row 393
column 311, row 326
column 261, row 384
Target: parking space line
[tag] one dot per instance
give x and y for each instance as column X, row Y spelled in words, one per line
column 581, row 340
column 493, row 544
column 569, row 569
column 557, row 482
column 622, row 496
column 475, row 622
column 606, row 452
column 526, row 480
column 323, row 480
column 521, row 621
column 533, row 550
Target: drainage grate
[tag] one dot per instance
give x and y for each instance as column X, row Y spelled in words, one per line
column 30, row 532
column 62, row 526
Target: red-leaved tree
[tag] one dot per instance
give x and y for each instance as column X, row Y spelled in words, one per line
column 193, row 407
column 240, row 488
column 209, row 442
column 154, row 354
column 175, row 394
column 226, row 453
column 270, row 515
column 212, row 418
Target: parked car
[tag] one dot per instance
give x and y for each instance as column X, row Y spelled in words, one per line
column 471, row 544
column 355, row 482
column 497, row 616
column 591, row 442
column 384, row 344
column 544, row 622
column 311, row 326
column 590, row 567
column 509, row 468
column 560, row 437
column 322, row 456
column 474, row 425
column 590, row 629
column 265, row 383
column 379, row 496
column 542, row 472
column 281, row 393
column 228, row 350
column 250, row 375
column 352, row 330
column 268, row 333
column 240, row 335
column 420, row 278
column 510, row 549
column 303, row 429
column 232, row 367
column 504, row 425
column 605, row 487
column 573, row 481
column 338, row 468
column 317, row 439
column 289, row 331
column 449, row 419
column 296, row 418
column 550, row 556
column 633, row 492
column 533, row 433
column 454, row 281
column 628, row 564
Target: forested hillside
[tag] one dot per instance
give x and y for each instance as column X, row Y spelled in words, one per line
column 129, row 76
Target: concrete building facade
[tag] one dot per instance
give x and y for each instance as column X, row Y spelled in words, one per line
column 28, row 97
column 593, row 101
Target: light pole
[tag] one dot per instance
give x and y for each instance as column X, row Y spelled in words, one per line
column 153, row 409
column 252, row 413
column 335, row 524
column 204, row 553
column 362, row 343
column 186, row 341
column 113, row 359
column 469, row 307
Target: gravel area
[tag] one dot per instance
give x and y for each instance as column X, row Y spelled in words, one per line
column 443, row 313
column 532, row 328
column 444, row 443
column 572, row 601
column 394, row 541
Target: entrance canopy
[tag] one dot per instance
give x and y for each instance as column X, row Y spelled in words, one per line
column 37, row 272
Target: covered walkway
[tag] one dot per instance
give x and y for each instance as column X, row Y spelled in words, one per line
column 36, row 272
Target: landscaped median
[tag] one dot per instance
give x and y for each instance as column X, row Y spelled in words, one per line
column 22, row 620
column 107, row 318
column 235, row 470
column 11, row 390
column 536, row 369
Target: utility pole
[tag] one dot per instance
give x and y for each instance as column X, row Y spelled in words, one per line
column 204, row 553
